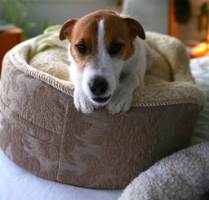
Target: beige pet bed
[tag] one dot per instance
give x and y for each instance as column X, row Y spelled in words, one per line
column 41, row 131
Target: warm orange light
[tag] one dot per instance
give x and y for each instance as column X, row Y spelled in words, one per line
column 200, row 50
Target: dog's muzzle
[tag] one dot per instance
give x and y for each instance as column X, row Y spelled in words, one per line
column 98, row 87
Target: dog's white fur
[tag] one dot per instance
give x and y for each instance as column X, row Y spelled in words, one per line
column 122, row 76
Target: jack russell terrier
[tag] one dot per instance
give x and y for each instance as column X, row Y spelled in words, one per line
column 108, row 60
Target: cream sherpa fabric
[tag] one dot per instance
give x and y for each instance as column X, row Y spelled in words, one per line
column 183, row 175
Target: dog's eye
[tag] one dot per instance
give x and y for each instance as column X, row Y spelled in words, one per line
column 115, row 48
column 81, row 48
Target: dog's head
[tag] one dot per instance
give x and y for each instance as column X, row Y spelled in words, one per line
column 100, row 44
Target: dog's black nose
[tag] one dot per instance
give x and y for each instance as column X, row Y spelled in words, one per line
column 98, row 86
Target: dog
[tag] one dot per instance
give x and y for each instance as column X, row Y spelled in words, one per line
column 109, row 58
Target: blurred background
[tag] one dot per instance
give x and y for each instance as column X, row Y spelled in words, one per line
column 183, row 19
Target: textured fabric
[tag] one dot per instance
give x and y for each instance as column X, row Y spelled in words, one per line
column 42, row 132
column 16, row 183
column 182, row 176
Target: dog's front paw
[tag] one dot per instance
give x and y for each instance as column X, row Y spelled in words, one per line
column 82, row 103
column 120, row 102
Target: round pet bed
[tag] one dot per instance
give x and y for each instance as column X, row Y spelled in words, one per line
column 42, row 132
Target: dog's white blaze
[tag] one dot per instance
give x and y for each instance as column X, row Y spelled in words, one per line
column 102, row 66
column 101, row 44
column 107, row 67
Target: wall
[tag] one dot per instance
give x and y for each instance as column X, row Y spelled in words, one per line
column 153, row 14
column 190, row 30
column 58, row 11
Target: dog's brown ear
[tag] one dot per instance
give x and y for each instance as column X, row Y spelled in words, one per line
column 67, row 28
column 135, row 28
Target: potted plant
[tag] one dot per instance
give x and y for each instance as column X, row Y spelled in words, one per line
column 15, row 12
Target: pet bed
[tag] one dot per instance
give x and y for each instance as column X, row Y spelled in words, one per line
column 16, row 183
column 42, row 132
